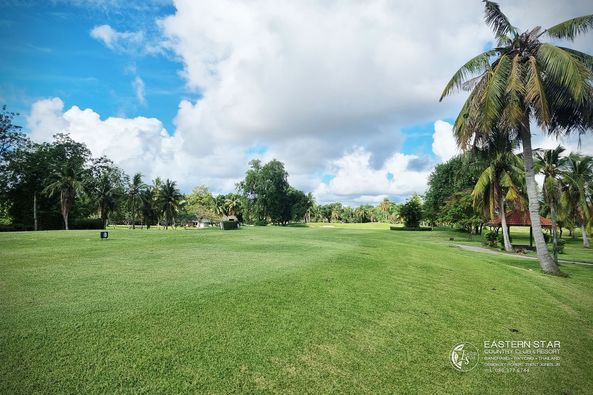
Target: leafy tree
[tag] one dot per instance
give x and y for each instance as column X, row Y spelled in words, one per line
column 10, row 134
column 577, row 178
column 265, row 189
column 201, row 203
column 459, row 210
column 457, row 174
column 411, row 212
column 551, row 164
column 523, row 79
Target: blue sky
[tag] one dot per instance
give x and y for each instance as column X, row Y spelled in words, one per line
column 344, row 93
column 53, row 55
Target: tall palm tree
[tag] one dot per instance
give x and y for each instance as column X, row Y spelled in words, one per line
column 67, row 182
column 134, row 198
column 170, row 201
column 523, row 79
column 149, row 208
column 107, row 193
column 578, row 176
column 500, row 181
column 551, row 164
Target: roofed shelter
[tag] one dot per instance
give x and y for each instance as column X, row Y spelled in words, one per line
column 520, row 218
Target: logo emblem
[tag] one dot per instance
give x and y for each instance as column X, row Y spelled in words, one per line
column 464, row 357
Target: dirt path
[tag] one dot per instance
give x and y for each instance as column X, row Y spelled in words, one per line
column 489, row 251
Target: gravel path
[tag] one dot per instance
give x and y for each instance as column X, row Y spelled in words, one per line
column 489, row 251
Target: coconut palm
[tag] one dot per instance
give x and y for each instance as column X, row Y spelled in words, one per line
column 500, row 182
column 107, row 193
column 67, row 182
column 551, row 164
column 149, row 206
column 523, row 79
column 577, row 177
column 134, row 199
column 232, row 203
column 170, row 201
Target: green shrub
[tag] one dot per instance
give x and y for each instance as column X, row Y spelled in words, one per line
column 490, row 238
column 415, row 229
column 229, row 225
column 86, row 223
column 561, row 244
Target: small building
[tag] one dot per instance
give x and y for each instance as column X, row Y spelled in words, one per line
column 520, row 218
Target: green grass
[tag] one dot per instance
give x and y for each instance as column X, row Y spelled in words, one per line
column 277, row 310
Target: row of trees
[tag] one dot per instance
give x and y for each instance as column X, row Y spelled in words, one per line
column 44, row 184
column 523, row 80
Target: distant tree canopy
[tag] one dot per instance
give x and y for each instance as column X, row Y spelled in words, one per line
column 269, row 197
column 411, row 212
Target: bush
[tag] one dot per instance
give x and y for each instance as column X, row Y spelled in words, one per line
column 86, row 223
column 229, row 225
column 500, row 239
column 416, row 228
column 490, row 238
column 561, row 244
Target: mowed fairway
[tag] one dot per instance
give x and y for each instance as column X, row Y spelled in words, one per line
column 277, row 310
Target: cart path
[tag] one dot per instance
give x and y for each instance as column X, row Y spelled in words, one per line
column 487, row 250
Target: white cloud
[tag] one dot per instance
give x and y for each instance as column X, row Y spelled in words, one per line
column 326, row 86
column 115, row 40
column 356, row 179
column 443, row 142
column 138, row 85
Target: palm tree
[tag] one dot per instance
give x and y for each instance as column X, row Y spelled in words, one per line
column 551, row 164
column 500, row 181
column 578, row 176
column 149, row 207
column 107, row 193
column 232, row 203
column 170, row 201
column 134, row 198
column 67, row 182
column 520, row 80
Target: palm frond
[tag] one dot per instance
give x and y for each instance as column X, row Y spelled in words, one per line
column 497, row 20
column 535, row 95
column 564, row 68
column 477, row 65
column 492, row 100
column 571, row 28
column 583, row 57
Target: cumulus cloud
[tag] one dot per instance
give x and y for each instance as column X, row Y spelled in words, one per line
column 356, row 181
column 115, row 40
column 443, row 142
column 326, row 87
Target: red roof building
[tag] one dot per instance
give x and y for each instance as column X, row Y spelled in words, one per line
column 520, row 218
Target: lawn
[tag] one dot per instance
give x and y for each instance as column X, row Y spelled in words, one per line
column 278, row 310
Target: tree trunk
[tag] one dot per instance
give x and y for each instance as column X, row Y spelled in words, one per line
column 554, row 230
column 546, row 262
column 584, row 233
column 133, row 215
column 35, row 210
column 508, row 247
column 64, row 202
